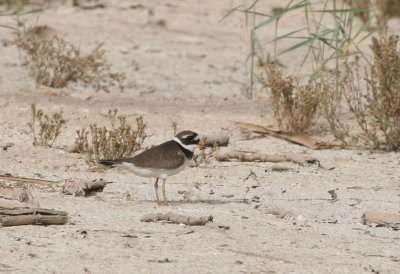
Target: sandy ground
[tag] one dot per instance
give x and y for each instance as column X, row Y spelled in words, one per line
column 189, row 69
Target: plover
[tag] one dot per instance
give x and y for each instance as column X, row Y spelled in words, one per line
column 161, row 161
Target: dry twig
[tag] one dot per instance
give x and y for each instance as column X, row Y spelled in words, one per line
column 294, row 137
column 250, row 156
column 381, row 219
column 31, row 216
column 176, row 218
column 81, row 188
column 25, row 180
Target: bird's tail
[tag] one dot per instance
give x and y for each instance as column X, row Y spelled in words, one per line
column 107, row 162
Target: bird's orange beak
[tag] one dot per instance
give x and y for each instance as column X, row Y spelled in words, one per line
column 201, row 144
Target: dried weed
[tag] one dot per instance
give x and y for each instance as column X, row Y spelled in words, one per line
column 377, row 110
column 118, row 142
column 381, row 9
column 330, row 104
column 294, row 105
column 45, row 128
column 53, row 62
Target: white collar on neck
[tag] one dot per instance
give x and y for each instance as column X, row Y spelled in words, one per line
column 188, row 147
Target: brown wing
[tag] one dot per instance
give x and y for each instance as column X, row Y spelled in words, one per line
column 167, row 155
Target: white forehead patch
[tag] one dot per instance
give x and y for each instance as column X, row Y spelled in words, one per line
column 187, row 136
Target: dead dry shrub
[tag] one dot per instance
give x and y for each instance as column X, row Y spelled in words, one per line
column 111, row 143
column 53, row 62
column 45, row 128
column 330, row 105
column 294, row 105
column 382, row 9
column 377, row 106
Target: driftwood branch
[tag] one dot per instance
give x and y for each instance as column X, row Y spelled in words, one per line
column 176, row 218
column 249, row 156
column 78, row 188
column 31, row 216
column 381, row 219
column 216, row 140
column 294, row 137
column 33, row 220
column 27, row 180
column 83, row 188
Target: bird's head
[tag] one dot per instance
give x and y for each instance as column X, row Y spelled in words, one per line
column 190, row 140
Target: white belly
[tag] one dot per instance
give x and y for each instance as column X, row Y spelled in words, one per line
column 152, row 172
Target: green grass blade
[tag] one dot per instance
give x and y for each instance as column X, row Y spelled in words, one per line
column 230, row 12
column 287, row 35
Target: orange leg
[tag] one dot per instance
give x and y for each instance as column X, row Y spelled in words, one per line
column 165, row 197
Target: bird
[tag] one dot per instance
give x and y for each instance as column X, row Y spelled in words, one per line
column 163, row 160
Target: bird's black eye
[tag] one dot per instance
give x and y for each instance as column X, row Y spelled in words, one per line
column 190, row 137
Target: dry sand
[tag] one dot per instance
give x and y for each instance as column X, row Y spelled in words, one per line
column 184, row 65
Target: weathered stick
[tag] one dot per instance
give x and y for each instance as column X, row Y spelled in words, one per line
column 249, row 156
column 219, row 140
column 279, row 213
column 294, row 137
column 381, row 219
column 33, row 220
column 26, row 210
column 176, row 218
column 83, row 188
column 27, row 180
column 31, row 216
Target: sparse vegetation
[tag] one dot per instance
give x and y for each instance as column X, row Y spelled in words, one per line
column 381, row 9
column 111, row 143
column 374, row 98
column 45, row 128
column 294, row 105
column 335, row 87
column 330, row 106
column 325, row 43
column 53, row 62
